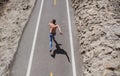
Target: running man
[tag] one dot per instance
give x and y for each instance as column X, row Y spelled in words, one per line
column 53, row 26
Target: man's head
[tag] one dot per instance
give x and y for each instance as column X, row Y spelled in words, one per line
column 54, row 21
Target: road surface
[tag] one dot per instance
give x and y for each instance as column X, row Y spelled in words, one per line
column 34, row 58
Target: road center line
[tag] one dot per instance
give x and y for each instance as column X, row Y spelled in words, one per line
column 34, row 41
column 54, row 2
column 51, row 74
column 71, row 40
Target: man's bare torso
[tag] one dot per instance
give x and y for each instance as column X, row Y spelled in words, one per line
column 53, row 27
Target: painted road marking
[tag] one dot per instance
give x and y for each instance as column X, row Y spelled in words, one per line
column 34, row 41
column 51, row 74
column 55, row 2
column 71, row 40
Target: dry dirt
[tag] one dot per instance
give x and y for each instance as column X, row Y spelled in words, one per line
column 14, row 15
column 98, row 26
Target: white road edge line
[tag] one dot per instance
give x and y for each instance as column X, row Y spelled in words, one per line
column 34, row 41
column 71, row 40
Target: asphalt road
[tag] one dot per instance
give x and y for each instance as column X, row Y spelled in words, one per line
column 33, row 57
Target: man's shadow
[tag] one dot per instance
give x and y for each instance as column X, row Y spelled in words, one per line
column 59, row 50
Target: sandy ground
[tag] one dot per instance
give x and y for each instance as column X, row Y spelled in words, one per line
column 14, row 15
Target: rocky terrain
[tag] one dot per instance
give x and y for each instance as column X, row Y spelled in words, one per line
column 98, row 26
column 14, row 15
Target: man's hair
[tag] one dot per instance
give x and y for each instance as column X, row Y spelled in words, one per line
column 54, row 21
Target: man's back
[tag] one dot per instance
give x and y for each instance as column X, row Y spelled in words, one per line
column 53, row 27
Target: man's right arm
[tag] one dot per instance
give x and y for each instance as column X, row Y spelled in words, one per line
column 59, row 29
